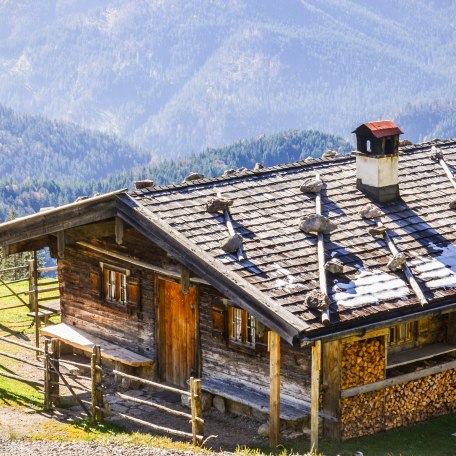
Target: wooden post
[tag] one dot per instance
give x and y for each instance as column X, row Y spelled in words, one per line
column 274, row 391
column 315, row 394
column 54, row 372
column 47, row 376
column 31, row 289
column 196, row 403
column 35, row 300
column 331, row 380
column 97, row 378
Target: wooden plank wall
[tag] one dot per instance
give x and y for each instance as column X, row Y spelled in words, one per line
column 81, row 297
column 252, row 369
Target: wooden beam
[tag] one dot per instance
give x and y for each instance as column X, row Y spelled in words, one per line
column 367, row 388
column 90, row 231
column 139, row 263
column 315, row 394
column 274, row 389
column 62, row 218
column 30, row 245
column 407, row 271
column 119, row 230
column 61, row 244
column 447, row 172
column 229, row 224
column 185, row 279
column 321, row 257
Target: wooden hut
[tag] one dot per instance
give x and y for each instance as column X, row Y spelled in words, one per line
column 353, row 347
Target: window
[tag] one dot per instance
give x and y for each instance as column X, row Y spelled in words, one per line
column 118, row 286
column 403, row 334
column 241, row 326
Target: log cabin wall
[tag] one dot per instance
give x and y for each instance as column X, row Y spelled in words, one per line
column 222, row 360
column 82, row 301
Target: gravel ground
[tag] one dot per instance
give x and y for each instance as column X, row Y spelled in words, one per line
column 42, row 448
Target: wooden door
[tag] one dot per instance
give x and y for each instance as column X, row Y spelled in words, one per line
column 177, row 332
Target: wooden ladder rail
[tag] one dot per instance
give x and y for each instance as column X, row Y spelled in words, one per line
column 407, row 271
column 229, row 225
column 321, row 257
column 448, row 172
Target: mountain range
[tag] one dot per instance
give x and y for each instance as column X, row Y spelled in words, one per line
column 174, row 77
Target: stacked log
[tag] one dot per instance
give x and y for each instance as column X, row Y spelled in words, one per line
column 419, row 400
column 363, row 361
column 362, row 414
column 399, row 405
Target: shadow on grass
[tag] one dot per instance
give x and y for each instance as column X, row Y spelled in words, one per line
column 14, row 398
column 97, row 427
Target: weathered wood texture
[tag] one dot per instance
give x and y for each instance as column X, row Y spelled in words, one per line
column 399, row 405
column 84, row 306
column 231, row 362
column 331, row 382
column 274, row 392
column 177, row 325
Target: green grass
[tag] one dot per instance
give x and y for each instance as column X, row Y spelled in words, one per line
column 15, row 324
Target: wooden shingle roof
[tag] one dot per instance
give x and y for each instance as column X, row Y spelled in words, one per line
column 282, row 261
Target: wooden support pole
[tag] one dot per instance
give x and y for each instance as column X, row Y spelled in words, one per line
column 47, row 376
column 54, row 372
column 196, row 403
column 97, row 378
column 35, row 299
column 274, row 389
column 31, row 288
column 321, row 258
column 315, row 394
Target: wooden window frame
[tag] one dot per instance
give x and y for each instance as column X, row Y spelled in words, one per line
column 241, row 327
column 115, row 284
column 403, row 335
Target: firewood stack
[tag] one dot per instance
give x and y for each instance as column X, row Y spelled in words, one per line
column 421, row 399
column 362, row 414
column 363, row 362
column 399, row 405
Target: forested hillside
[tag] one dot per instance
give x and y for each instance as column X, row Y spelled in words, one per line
column 66, row 182
column 32, row 147
column 175, row 77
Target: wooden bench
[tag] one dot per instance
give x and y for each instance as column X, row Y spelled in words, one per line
column 43, row 314
column 85, row 341
column 289, row 410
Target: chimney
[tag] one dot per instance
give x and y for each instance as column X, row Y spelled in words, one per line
column 377, row 160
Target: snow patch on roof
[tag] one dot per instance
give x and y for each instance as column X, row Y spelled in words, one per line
column 370, row 287
column 439, row 271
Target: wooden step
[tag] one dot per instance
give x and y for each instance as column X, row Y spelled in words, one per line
column 43, row 314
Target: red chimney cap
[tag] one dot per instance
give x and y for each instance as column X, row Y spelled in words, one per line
column 382, row 128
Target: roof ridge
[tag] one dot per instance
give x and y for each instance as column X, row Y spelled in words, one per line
column 243, row 174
